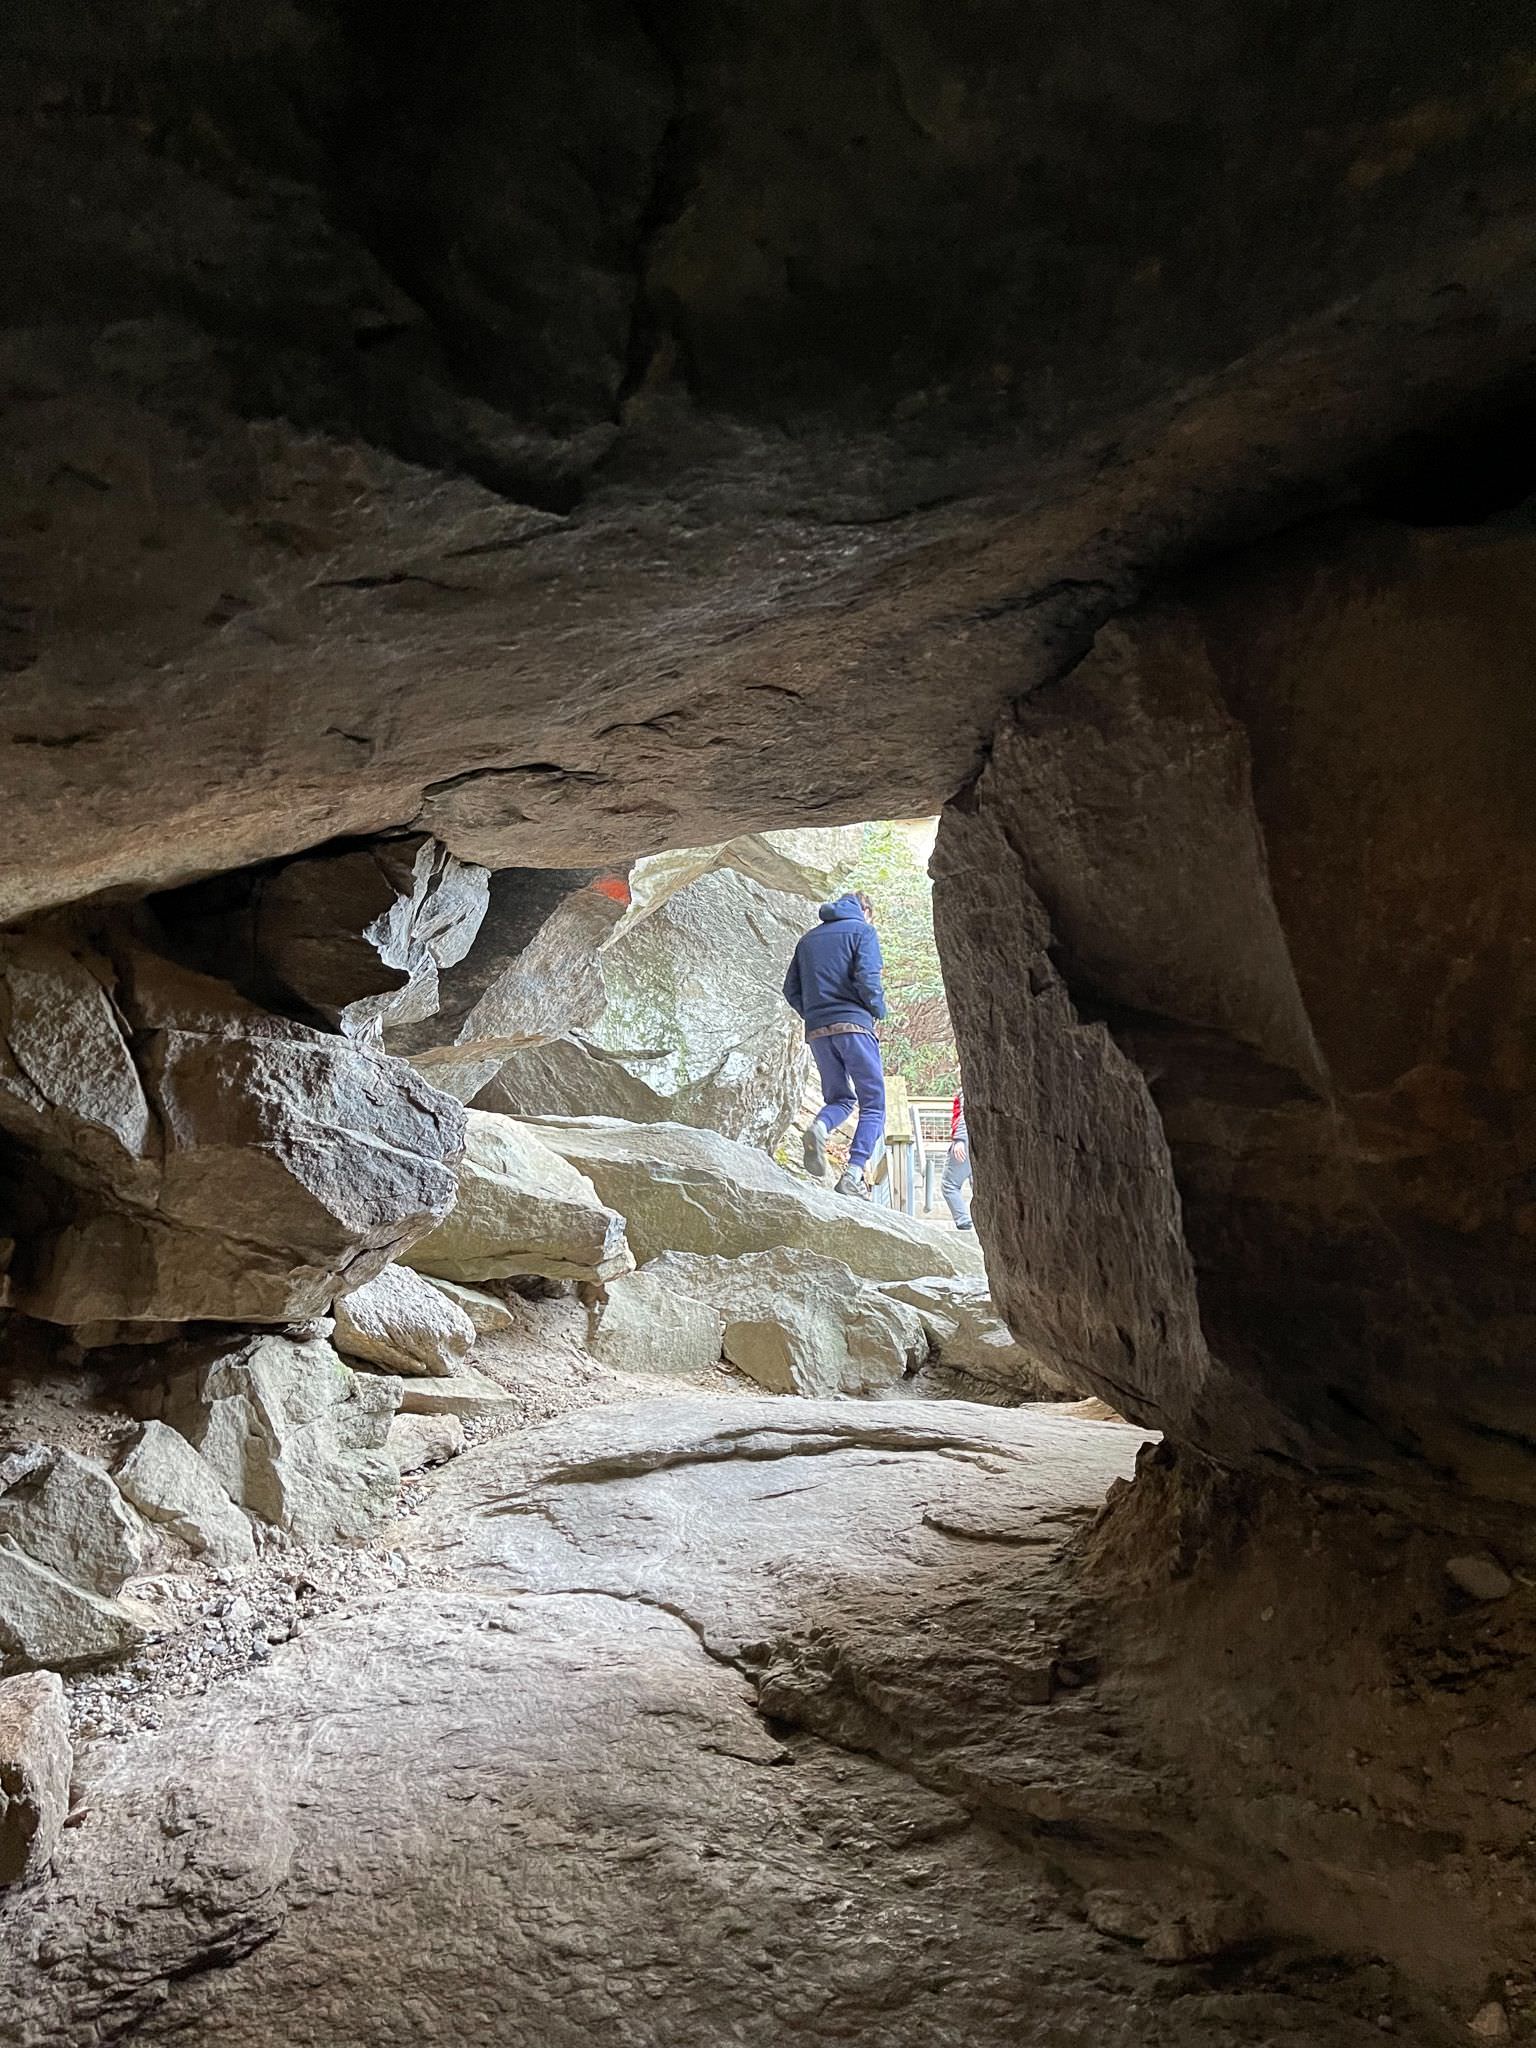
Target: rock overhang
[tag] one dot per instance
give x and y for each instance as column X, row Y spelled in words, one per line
column 511, row 490
column 515, row 495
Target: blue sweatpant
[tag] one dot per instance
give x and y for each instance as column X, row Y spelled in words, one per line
column 849, row 1065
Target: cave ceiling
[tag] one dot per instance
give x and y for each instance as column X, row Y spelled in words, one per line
column 579, row 429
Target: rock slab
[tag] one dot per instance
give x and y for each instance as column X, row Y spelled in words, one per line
column 520, row 1207
column 798, row 1323
column 35, row 1761
column 398, row 1320
column 694, row 1191
column 677, row 1623
column 68, row 1542
column 169, row 1483
column 467, row 1394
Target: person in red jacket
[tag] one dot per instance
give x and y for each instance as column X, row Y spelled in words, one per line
column 957, row 1168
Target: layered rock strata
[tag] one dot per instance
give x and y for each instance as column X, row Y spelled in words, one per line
column 532, row 502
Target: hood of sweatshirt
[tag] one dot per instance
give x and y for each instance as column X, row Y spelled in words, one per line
column 839, row 912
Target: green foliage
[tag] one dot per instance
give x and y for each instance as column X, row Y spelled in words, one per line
column 917, row 1041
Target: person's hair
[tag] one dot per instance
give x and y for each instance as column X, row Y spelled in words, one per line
column 865, row 903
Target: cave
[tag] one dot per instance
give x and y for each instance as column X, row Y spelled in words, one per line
column 450, row 461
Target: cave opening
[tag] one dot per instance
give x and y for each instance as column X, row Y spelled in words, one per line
column 452, row 459
column 269, row 1283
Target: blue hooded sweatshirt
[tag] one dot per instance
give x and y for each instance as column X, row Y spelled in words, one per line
column 834, row 977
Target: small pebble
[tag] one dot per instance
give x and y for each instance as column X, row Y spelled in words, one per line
column 1490, row 2022
column 1480, row 1578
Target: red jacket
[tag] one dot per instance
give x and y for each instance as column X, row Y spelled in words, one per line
column 954, row 1116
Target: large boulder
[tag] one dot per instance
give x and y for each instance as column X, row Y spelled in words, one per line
column 1255, row 1152
column 35, row 1761
column 355, row 937
column 292, row 1434
column 182, row 1154
column 400, row 1321
column 520, row 1208
column 970, row 1338
column 170, row 1484
column 645, row 1324
column 47, row 1619
column 694, row 1191
column 68, row 1543
column 798, row 1323
column 674, row 1016
column 66, row 1512
column 810, row 862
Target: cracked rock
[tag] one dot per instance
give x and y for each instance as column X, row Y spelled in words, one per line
column 1190, row 1922
column 193, row 1157
column 66, row 1513
column 46, row 1619
column 356, row 938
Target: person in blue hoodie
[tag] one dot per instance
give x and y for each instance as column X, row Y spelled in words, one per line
column 834, row 983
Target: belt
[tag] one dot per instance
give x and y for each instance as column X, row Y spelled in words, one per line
column 840, row 1030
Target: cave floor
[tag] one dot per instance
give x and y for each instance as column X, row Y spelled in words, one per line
column 692, row 1720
